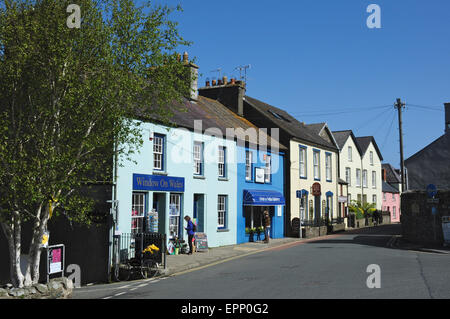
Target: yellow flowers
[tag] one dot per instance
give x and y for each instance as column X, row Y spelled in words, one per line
column 150, row 249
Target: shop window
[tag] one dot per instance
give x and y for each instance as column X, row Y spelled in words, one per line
column 137, row 213
column 174, row 215
column 253, row 217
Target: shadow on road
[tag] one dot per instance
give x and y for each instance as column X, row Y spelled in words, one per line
column 378, row 236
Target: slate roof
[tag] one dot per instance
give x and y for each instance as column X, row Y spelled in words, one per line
column 386, row 188
column 316, row 127
column 364, row 143
column 430, row 165
column 341, row 138
column 213, row 114
column 391, row 174
column 289, row 124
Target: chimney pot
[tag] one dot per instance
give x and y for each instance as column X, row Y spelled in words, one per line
column 219, row 82
column 213, row 82
column 185, row 57
column 207, row 83
column 233, row 81
column 225, row 80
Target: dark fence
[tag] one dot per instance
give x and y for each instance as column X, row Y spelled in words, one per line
column 132, row 246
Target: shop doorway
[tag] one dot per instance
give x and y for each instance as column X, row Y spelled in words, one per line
column 159, row 205
column 199, row 212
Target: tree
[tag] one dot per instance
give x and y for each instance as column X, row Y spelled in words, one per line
column 362, row 209
column 67, row 102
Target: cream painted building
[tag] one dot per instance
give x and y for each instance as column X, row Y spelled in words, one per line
column 314, row 178
column 360, row 166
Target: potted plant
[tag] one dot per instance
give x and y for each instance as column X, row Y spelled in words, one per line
column 250, row 231
column 259, row 231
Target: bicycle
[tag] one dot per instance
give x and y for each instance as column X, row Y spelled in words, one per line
column 144, row 265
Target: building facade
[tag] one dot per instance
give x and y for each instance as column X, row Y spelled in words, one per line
column 360, row 167
column 172, row 177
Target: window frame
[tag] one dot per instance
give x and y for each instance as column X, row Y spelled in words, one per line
column 303, row 149
column 328, row 167
column 316, row 152
column 248, row 165
column 364, row 180
column 157, row 153
column 137, row 220
column 358, row 180
column 268, row 169
column 198, row 162
column 221, row 165
column 222, row 211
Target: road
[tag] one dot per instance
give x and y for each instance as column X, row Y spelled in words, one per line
column 335, row 267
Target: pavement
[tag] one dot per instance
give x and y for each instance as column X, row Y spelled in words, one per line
column 400, row 243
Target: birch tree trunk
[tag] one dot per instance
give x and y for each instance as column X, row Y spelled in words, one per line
column 13, row 235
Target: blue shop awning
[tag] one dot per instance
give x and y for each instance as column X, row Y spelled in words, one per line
column 263, row 198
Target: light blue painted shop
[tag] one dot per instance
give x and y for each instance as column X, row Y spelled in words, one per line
column 179, row 172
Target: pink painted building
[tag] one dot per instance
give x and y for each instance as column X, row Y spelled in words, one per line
column 391, row 202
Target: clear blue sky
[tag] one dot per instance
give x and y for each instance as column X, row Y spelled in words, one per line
column 313, row 58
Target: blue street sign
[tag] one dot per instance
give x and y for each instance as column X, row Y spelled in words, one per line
column 431, row 190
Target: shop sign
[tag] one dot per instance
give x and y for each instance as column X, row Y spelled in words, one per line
column 342, row 199
column 316, row 191
column 158, row 183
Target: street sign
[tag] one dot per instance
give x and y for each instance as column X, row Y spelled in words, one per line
column 431, row 190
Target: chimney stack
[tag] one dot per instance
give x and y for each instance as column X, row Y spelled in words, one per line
column 447, row 117
column 193, row 77
column 231, row 94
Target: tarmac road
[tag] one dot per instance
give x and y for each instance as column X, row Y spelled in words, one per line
column 332, row 267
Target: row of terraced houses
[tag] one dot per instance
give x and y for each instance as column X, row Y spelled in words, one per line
column 228, row 157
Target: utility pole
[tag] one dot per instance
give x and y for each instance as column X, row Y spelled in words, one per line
column 399, row 105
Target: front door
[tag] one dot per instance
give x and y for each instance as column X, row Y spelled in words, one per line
column 317, row 209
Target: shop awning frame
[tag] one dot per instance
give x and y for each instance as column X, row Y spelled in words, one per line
column 263, row 198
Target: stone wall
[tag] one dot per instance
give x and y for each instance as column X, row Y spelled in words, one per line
column 419, row 225
column 60, row 288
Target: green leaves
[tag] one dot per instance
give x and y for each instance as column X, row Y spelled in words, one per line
column 68, row 95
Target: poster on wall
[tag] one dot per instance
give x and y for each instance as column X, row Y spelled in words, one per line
column 201, row 242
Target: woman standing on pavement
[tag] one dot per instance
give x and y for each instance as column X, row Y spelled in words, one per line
column 190, row 231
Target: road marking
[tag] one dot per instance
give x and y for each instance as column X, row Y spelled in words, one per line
column 120, row 294
column 134, row 289
column 108, row 297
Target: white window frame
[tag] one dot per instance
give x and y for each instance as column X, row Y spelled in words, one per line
column 158, row 152
column 348, row 176
column 349, row 154
column 248, row 165
column 316, row 164
column 371, row 157
column 394, row 212
column 328, row 167
column 302, row 162
column 358, row 177
column 137, row 212
column 374, row 179
column 364, row 178
column 221, row 161
column 198, row 158
column 221, row 211
column 374, row 199
column 174, row 220
column 268, row 169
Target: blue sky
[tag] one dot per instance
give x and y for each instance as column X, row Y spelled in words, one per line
column 319, row 61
